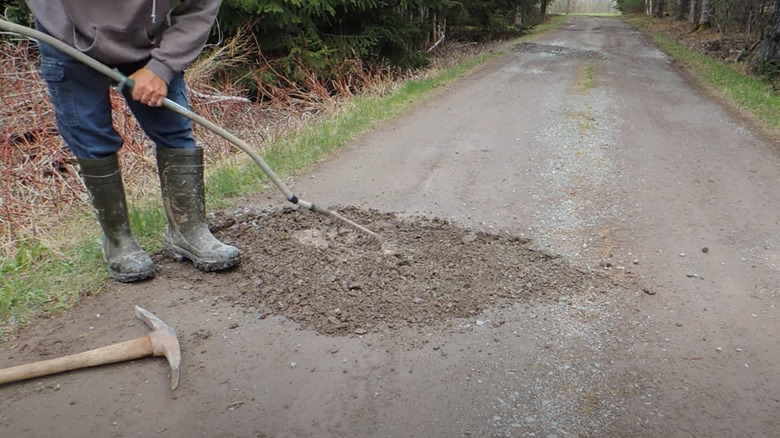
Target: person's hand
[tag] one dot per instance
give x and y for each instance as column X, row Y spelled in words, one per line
column 149, row 89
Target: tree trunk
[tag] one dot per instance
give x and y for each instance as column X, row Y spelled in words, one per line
column 694, row 11
column 658, row 9
column 767, row 62
column 704, row 21
column 682, row 5
column 543, row 8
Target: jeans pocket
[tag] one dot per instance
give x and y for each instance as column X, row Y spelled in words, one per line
column 60, row 91
column 52, row 70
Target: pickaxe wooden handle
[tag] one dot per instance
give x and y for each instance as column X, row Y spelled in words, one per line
column 160, row 342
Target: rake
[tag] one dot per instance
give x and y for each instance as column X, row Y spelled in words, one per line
column 125, row 82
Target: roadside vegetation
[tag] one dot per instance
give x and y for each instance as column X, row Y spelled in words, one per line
column 724, row 48
column 294, row 105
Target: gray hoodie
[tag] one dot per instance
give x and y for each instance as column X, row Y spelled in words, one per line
column 167, row 34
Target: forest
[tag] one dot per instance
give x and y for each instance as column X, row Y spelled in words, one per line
column 748, row 16
column 316, row 36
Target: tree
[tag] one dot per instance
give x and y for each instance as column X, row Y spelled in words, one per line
column 543, row 7
column 767, row 63
column 629, row 6
column 682, row 5
column 15, row 10
column 694, row 13
column 658, row 9
column 705, row 19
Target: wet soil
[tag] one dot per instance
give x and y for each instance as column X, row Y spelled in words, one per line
column 331, row 278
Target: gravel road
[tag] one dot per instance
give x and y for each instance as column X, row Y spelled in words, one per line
column 589, row 146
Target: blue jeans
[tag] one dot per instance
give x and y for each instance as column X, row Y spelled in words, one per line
column 80, row 96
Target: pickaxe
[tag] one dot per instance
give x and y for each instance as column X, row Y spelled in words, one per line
column 161, row 341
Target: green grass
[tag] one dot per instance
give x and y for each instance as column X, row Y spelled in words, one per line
column 749, row 94
column 554, row 22
column 587, row 77
column 39, row 280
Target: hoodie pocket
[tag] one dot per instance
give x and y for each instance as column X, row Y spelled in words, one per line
column 115, row 45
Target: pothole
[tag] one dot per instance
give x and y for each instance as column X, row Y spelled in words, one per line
column 333, row 279
column 554, row 50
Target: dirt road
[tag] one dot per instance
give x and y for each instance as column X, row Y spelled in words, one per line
column 644, row 304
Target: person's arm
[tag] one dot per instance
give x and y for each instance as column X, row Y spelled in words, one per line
column 183, row 41
column 180, row 44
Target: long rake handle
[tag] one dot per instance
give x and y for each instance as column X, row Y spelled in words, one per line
column 124, row 81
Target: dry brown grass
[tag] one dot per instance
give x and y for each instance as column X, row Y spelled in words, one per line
column 37, row 172
column 39, row 184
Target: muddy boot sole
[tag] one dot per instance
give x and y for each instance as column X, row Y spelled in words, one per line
column 180, row 254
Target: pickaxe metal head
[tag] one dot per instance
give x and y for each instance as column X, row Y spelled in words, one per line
column 164, row 342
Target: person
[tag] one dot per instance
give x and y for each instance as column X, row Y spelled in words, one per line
column 152, row 42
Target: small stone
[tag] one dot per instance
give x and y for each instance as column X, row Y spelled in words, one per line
column 469, row 238
column 480, row 323
column 648, row 291
column 360, row 331
column 705, row 250
column 293, row 365
column 718, row 349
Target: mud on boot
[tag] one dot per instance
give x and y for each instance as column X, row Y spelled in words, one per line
column 124, row 258
column 189, row 237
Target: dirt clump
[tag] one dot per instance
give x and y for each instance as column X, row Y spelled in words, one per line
column 331, row 278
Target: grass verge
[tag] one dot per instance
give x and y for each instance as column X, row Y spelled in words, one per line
column 753, row 97
column 41, row 280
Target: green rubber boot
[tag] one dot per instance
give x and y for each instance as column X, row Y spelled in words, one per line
column 181, row 180
column 124, row 258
